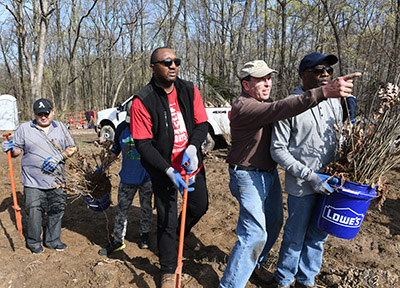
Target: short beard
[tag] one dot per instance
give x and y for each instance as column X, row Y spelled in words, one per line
column 170, row 80
column 166, row 81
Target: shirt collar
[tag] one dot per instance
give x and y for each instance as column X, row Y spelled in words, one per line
column 34, row 124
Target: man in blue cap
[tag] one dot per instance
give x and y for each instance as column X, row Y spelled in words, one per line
column 303, row 145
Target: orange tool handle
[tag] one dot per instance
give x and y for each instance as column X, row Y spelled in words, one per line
column 178, row 272
column 16, row 207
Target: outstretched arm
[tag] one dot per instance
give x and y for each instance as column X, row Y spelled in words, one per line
column 341, row 86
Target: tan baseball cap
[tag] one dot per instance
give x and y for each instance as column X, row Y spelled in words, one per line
column 255, row 68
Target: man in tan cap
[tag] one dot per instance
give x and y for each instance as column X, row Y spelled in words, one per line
column 254, row 180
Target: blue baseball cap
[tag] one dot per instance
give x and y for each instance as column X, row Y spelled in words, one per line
column 315, row 58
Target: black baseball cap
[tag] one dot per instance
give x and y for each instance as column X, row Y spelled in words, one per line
column 42, row 106
column 315, row 58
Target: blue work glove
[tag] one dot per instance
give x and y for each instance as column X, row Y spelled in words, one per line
column 178, row 181
column 190, row 189
column 320, row 183
column 190, row 158
column 50, row 164
column 98, row 169
column 7, row 145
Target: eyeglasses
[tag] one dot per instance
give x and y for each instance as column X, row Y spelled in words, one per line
column 168, row 62
column 320, row 70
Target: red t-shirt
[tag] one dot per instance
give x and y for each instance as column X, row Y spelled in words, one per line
column 141, row 125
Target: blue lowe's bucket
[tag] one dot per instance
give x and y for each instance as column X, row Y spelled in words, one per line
column 342, row 212
column 100, row 204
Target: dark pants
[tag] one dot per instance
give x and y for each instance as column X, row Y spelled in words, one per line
column 165, row 196
column 38, row 202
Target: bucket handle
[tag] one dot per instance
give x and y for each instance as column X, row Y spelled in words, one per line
column 351, row 191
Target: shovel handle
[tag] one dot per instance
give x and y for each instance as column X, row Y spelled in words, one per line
column 178, row 272
column 16, row 207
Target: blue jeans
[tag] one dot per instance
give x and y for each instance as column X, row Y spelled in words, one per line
column 301, row 250
column 38, row 202
column 260, row 220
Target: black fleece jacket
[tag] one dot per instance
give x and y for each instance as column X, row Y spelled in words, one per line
column 156, row 152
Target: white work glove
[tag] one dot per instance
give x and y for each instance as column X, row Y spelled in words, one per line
column 190, row 162
column 320, row 183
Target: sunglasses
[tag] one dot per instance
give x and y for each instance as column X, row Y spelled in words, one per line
column 320, row 70
column 168, row 62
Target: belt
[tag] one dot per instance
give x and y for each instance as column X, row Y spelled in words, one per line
column 238, row 167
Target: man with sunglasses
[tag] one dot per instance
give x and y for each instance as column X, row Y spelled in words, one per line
column 45, row 144
column 254, row 179
column 169, row 124
column 303, row 145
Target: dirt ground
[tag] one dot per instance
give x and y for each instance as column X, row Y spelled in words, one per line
column 372, row 259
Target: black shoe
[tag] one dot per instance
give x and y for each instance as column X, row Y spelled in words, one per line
column 61, row 246
column 37, row 250
column 144, row 241
column 192, row 242
column 273, row 283
column 300, row 285
column 114, row 246
column 58, row 247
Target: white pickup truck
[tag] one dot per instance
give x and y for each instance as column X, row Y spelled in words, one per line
column 218, row 117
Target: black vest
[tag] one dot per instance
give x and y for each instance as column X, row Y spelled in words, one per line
column 155, row 100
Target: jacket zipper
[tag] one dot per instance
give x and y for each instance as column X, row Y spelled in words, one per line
column 166, row 120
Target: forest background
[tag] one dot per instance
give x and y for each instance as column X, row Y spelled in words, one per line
column 88, row 55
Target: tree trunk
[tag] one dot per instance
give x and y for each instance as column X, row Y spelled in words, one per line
column 238, row 60
column 393, row 69
column 282, row 70
column 336, row 34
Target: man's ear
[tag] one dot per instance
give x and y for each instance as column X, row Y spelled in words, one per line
column 302, row 75
column 152, row 68
column 245, row 85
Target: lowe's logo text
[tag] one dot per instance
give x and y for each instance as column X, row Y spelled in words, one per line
column 342, row 216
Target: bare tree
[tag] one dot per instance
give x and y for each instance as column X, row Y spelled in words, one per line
column 335, row 33
column 33, row 41
column 99, row 53
column 173, row 18
column 282, row 74
column 394, row 62
column 7, row 64
column 242, row 34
